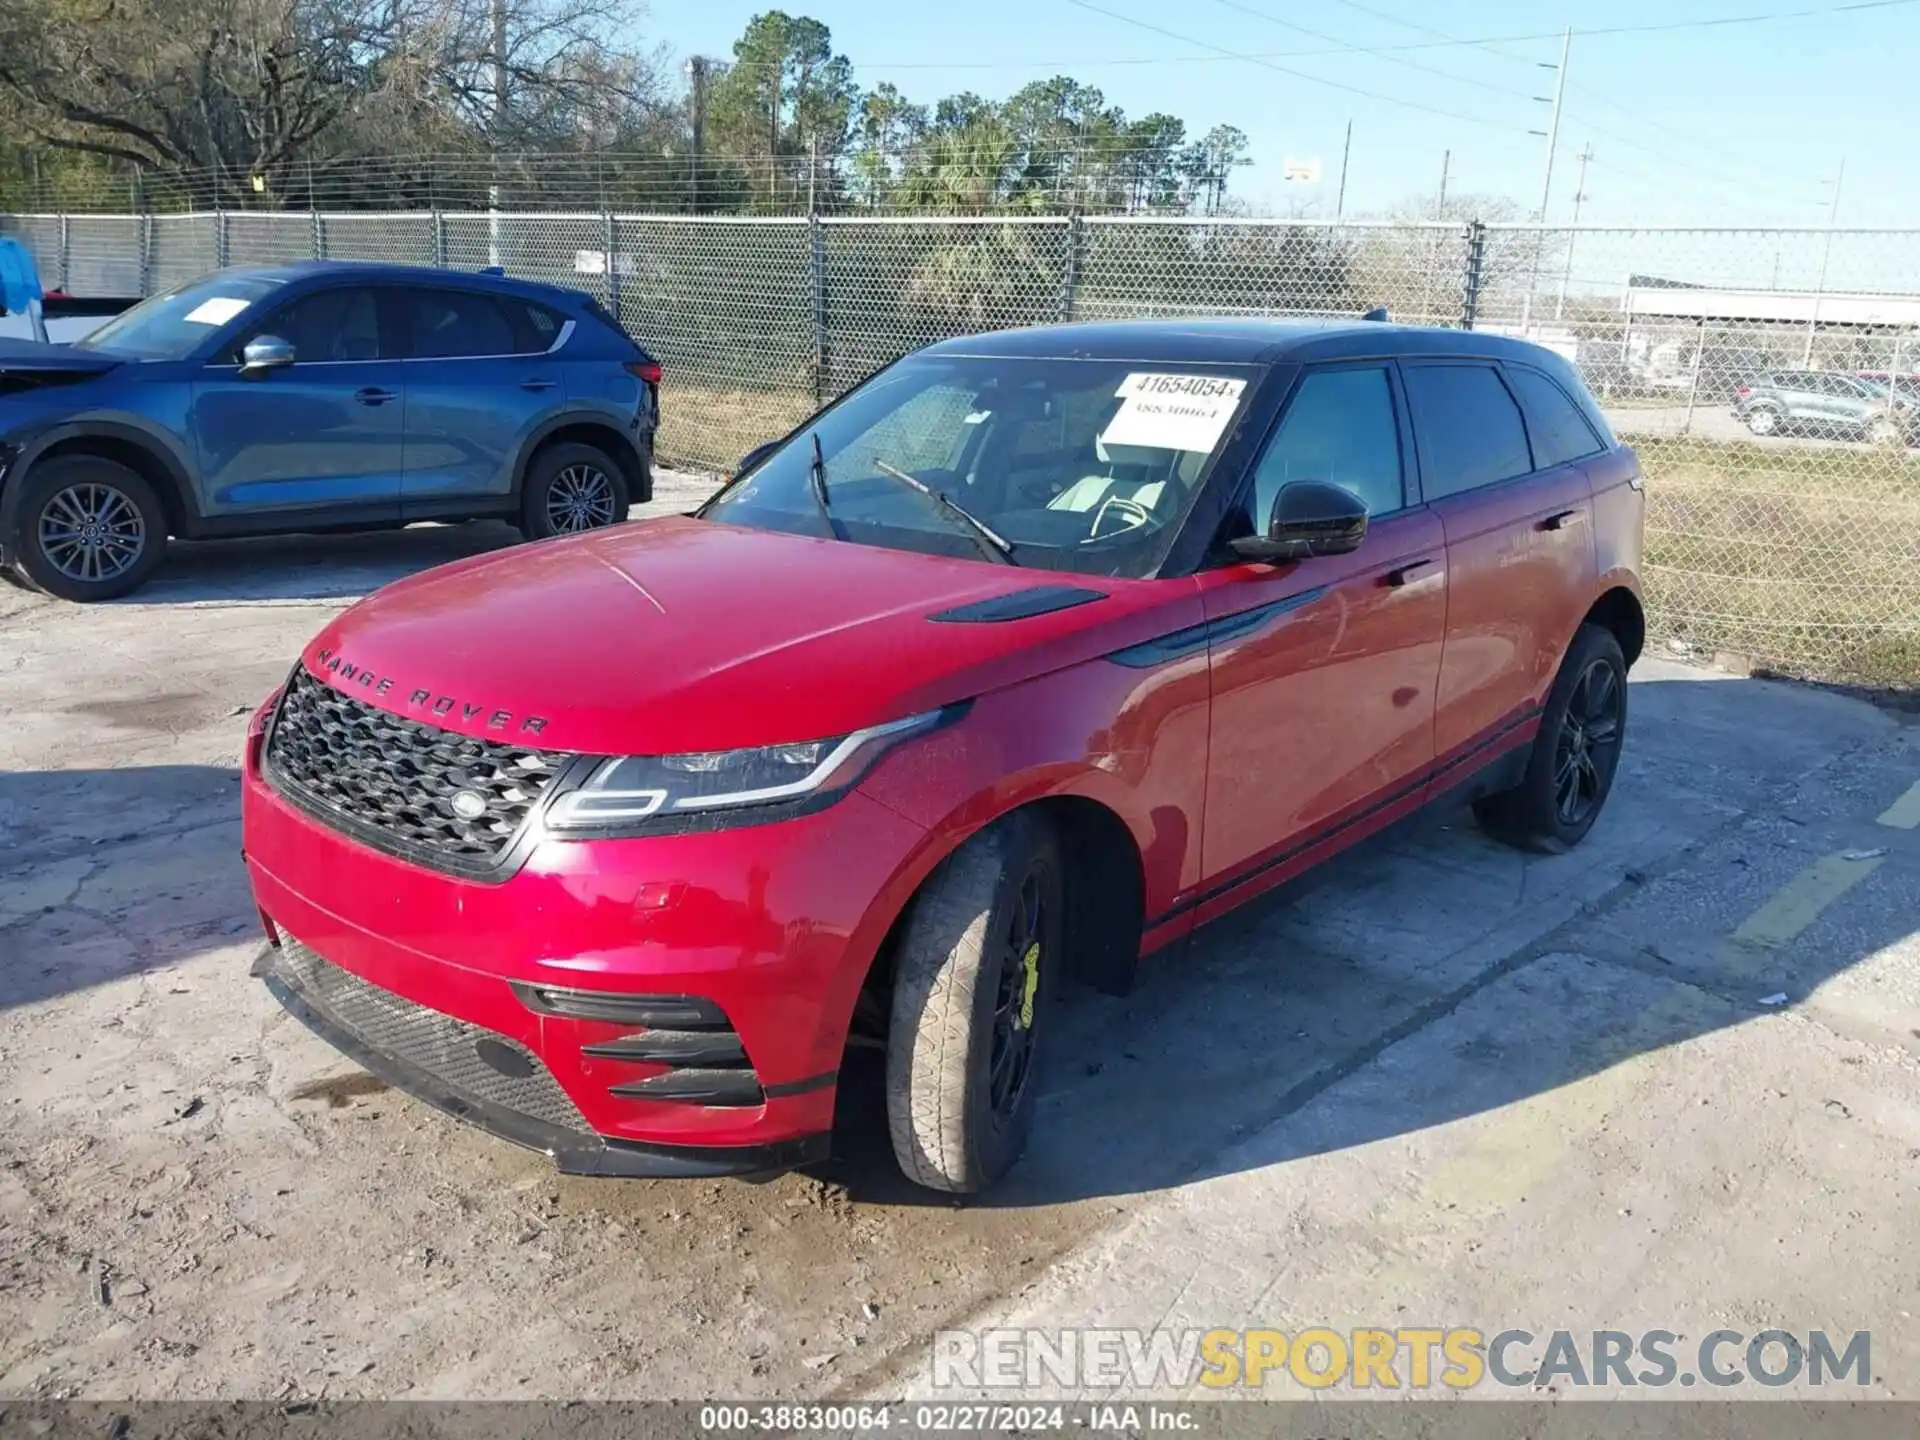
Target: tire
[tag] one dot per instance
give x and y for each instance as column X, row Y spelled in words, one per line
column 1589, row 692
column 1764, row 420
column 89, row 529
column 1884, row 432
column 570, row 489
column 974, row 980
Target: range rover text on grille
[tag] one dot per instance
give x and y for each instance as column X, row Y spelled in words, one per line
column 444, row 800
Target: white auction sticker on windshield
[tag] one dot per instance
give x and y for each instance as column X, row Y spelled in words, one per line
column 1173, row 412
column 217, row 311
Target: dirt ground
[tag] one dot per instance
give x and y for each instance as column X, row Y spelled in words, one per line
column 1441, row 1076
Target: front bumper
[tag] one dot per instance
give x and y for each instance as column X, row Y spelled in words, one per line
column 528, row 1109
column 768, row 931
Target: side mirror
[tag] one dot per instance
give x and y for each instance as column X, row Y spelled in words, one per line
column 1308, row 518
column 754, row 456
column 264, row 354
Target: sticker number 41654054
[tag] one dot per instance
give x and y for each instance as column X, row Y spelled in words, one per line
column 1173, row 412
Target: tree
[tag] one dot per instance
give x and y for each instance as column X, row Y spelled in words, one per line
column 887, row 127
column 1206, row 166
column 243, row 91
column 1149, row 164
column 965, row 171
column 786, row 94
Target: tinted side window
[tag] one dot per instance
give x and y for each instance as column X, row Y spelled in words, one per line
column 1469, row 426
column 1560, row 432
column 448, row 324
column 1339, row 428
column 535, row 326
column 328, row 326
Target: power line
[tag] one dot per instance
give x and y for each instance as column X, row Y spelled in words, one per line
column 1718, row 154
column 1465, row 42
column 1390, row 58
column 1302, row 74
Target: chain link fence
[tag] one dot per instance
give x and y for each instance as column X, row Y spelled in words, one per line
column 1769, row 379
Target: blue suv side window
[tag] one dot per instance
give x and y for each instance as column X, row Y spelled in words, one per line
column 328, row 326
column 451, row 324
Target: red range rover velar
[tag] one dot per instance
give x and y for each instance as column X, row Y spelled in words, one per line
column 1026, row 657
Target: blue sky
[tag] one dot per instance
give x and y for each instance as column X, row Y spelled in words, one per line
column 1734, row 125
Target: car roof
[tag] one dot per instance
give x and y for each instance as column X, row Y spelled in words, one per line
column 374, row 270
column 1237, row 340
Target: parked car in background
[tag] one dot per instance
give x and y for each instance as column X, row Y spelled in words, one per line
column 317, row 396
column 1025, row 658
column 1825, row 402
column 1906, row 386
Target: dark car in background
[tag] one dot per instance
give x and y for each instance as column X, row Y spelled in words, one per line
column 1825, row 402
column 312, row 397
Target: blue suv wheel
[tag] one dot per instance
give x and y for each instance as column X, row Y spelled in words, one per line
column 89, row 528
column 572, row 488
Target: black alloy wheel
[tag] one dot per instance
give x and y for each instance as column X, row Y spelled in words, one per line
column 1588, row 747
column 1022, row 952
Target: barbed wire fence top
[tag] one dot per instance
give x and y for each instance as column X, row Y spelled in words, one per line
column 1770, row 379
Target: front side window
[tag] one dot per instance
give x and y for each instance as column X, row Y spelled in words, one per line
column 327, row 327
column 1560, row 432
column 1079, row 465
column 1469, row 427
column 172, row 326
column 1338, row 428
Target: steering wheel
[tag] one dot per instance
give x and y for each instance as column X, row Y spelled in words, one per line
column 1132, row 514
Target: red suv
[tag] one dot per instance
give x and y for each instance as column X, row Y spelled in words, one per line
column 1022, row 660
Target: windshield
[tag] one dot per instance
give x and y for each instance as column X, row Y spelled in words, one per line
column 1080, row 465
column 171, row 326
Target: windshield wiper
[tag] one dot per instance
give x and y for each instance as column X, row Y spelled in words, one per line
column 994, row 545
column 817, row 481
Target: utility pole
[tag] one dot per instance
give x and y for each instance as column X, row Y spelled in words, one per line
column 1826, row 254
column 1340, row 202
column 499, row 17
column 1546, row 177
column 1440, row 205
column 1553, row 122
column 697, row 75
column 1579, row 194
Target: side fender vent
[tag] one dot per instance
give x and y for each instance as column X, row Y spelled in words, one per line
column 1019, row 605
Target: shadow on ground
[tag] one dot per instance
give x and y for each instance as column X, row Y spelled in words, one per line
column 311, row 567
column 106, row 874
column 346, row 565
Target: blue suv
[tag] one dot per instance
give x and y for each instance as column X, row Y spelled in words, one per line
column 317, row 396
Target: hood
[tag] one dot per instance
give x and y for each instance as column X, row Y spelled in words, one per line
column 676, row 635
column 27, row 364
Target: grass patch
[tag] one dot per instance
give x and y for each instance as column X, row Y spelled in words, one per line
column 1804, row 559
column 711, row 427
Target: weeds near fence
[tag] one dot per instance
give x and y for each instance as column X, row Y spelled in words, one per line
column 1799, row 556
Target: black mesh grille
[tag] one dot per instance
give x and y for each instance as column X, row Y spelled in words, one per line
column 444, row 1047
column 396, row 779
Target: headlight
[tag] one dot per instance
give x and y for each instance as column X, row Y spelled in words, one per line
column 637, row 794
